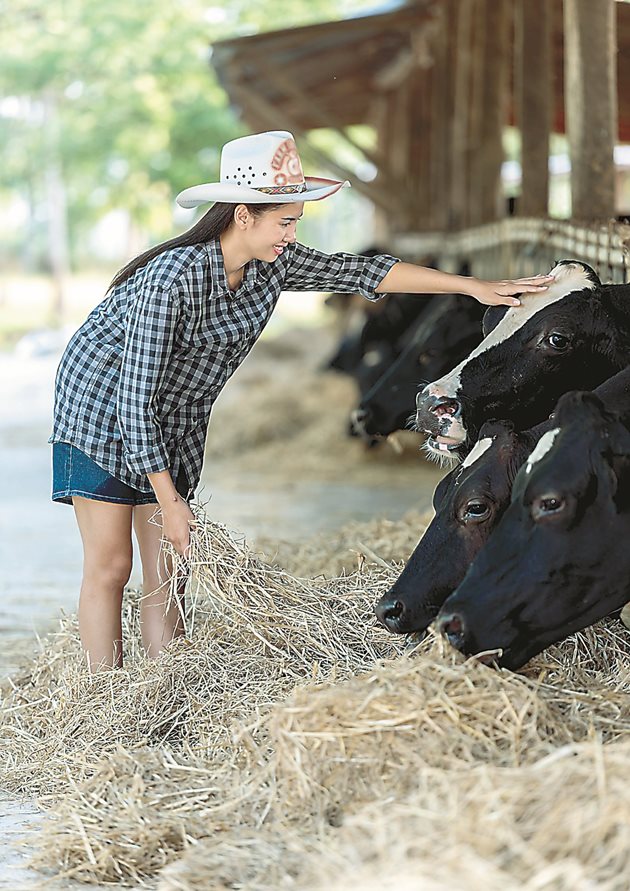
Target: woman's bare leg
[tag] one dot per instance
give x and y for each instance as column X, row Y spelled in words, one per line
column 107, row 557
column 159, row 625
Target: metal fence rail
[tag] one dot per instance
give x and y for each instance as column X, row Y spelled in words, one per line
column 523, row 246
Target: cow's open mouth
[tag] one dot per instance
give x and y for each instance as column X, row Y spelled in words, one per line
column 450, row 408
column 443, row 444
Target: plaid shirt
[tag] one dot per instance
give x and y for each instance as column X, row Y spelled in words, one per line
column 137, row 381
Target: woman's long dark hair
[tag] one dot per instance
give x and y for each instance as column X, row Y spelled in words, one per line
column 212, row 224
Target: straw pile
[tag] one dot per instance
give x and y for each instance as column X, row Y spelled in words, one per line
column 277, row 417
column 378, row 542
column 287, row 742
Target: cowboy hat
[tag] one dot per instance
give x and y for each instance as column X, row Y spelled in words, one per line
column 264, row 168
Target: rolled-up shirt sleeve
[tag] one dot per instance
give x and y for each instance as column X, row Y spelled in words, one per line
column 311, row 270
column 149, row 339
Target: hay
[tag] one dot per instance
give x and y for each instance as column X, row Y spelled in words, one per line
column 280, row 416
column 287, row 742
column 354, row 546
column 562, row 824
column 254, row 632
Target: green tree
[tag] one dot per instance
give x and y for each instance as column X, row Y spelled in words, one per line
column 116, row 105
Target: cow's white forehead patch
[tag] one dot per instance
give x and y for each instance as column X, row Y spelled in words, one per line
column 569, row 278
column 542, row 447
column 479, row 449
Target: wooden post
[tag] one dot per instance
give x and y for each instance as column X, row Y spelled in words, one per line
column 379, row 112
column 590, row 99
column 399, row 136
column 534, row 102
column 419, row 149
column 460, row 130
column 490, row 110
column 442, row 111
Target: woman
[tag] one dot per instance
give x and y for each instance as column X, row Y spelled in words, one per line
column 137, row 382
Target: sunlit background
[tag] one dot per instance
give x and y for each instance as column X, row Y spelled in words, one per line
column 107, row 111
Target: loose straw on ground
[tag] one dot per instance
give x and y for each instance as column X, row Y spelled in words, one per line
column 287, row 741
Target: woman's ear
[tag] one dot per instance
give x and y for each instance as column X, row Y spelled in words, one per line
column 242, row 216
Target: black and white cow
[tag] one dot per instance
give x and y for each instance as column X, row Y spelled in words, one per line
column 469, row 502
column 377, row 332
column 559, row 558
column 443, row 335
column 572, row 336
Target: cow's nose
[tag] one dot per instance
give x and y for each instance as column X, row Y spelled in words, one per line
column 390, row 613
column 440, row 406
column 453, row 628
column 358, row 418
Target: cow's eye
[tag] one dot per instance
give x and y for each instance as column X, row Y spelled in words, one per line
column 547, row 505
column 558, row 342
column 474, row 511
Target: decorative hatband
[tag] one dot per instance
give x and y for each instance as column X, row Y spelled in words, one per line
column 282, row 190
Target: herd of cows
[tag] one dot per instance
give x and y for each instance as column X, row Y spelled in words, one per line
column 532, row 406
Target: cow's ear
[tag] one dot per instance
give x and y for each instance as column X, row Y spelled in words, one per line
column 492, row 317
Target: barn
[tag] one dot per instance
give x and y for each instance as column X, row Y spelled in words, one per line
column 438, row 82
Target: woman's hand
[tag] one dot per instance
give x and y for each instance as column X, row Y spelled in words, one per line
column 177, row 518
column 500, row 293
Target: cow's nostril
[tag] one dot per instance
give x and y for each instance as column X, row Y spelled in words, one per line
column 453, row 628
column 395, row 611
column 389, row 613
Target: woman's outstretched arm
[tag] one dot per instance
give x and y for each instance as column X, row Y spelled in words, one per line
column 407, row 278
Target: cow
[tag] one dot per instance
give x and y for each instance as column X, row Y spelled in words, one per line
column 443, row 335
column 469, row 502
column 386, row 322
column 558, row 560
column 574, row 335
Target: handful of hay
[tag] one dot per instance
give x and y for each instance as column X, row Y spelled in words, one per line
column 288, row 741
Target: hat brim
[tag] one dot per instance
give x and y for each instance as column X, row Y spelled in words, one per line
column 316, row 189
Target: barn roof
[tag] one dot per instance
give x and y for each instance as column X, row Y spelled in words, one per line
column 328, row 74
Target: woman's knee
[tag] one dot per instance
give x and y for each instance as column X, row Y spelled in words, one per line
column 112, row 571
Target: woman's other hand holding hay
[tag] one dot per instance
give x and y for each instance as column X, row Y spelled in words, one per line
column 177, row 517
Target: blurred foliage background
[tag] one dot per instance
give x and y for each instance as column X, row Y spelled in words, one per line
column 107, row 110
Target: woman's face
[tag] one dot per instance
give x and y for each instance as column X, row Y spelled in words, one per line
column 268, row 234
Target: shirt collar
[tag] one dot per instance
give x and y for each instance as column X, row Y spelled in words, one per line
column 219, row 276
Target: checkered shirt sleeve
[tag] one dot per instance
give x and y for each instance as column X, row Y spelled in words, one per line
column 311, row 270
column 150, row 333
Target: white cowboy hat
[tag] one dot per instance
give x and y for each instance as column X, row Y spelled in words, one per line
column 261, row 169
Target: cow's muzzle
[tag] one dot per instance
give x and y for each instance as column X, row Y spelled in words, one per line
column 453, row 628
column 441, row 417
column 435, row 414
column 397, row 617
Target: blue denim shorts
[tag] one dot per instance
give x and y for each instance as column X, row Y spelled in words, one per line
column 75, row 473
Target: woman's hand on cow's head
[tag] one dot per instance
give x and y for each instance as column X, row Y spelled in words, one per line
column 502, row 293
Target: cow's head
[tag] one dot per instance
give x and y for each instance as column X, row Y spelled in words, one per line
column 558, row 560
column 555, row 341
column 446, row 333
column 468, row 504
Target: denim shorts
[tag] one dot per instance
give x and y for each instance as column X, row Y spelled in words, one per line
column 75, row 473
